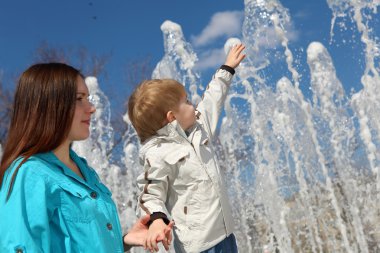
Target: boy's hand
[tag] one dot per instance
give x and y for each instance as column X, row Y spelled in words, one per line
column 158, row 231
column 167, row 236
column 235, row 56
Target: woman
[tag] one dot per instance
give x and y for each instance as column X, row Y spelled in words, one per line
column 50, row 199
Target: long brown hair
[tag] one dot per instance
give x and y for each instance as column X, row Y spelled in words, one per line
column 43, row 112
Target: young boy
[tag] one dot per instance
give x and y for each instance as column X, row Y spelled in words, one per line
column 182, row 179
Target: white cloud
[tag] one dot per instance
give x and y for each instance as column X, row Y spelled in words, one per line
column 227, row 23
column 211, row 59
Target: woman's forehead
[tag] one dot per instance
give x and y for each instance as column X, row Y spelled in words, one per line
column 81, row 86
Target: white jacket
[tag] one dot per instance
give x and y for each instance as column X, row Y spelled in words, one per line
column 182, row 177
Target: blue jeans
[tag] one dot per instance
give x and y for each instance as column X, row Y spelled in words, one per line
column 228, row 245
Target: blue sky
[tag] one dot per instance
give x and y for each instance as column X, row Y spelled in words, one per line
column 130, row 30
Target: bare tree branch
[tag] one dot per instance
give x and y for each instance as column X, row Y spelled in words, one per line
column 135, row 72
column 88, row 63
column 138, row 71
column 47, row 53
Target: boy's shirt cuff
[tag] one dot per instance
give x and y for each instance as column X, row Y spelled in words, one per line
column 228, row 68
column 158, row 215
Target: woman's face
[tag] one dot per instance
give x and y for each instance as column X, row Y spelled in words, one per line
column 80, row 128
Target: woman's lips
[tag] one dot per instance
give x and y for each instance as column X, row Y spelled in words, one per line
column 86, row 122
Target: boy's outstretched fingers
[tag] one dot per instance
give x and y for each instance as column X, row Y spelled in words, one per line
column 152, row 244
column 235, row 56
column 167, row 240
column 155, row 234
column 166, row 236
column 165, row 243
column 238, row 52
column 168, row 231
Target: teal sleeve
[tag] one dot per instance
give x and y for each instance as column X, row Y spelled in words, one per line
column 25, row 218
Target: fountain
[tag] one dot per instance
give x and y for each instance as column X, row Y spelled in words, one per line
column 303, row 176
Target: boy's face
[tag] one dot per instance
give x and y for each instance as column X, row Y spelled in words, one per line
column 185, row 113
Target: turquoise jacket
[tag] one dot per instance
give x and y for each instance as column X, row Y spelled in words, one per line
column 51, row 209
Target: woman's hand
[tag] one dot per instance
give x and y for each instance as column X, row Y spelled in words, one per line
column 137, row 234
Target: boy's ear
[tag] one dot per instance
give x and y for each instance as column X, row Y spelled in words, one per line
column 170, row 116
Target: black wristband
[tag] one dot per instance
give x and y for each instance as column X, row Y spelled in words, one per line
column 158, row 215
column 228, row 68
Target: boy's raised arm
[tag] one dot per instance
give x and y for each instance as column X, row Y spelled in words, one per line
column 213, row 99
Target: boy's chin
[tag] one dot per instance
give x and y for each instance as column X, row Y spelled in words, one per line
column 189, row 127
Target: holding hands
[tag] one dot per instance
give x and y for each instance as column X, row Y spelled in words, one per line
column 148, row 237
column 158, row 232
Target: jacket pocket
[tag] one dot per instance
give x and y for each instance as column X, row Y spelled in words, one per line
column 192, row 217
column 77, row 204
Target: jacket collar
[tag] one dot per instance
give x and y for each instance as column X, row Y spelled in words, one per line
column 51, row 158
column 172, row 129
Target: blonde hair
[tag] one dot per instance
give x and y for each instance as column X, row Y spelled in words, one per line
column 150, row 102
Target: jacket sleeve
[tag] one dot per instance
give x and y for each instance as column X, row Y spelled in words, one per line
column 213, row 100
column 153, row 185
column 25, row 216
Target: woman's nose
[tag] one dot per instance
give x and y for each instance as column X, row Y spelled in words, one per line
column 91, row 103
column 92, row 108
